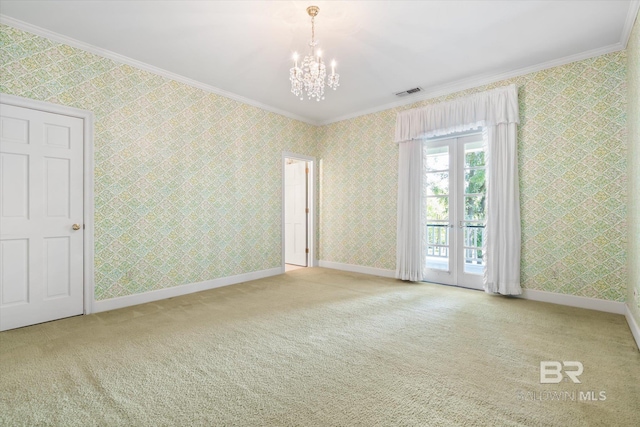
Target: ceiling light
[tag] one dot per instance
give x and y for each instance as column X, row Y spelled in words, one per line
column 310, row 77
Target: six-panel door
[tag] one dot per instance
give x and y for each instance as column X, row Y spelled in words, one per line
column 41, row 184
column 295, row 215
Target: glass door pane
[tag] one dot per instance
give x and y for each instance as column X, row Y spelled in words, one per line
column 475, row 194
column 436, row 178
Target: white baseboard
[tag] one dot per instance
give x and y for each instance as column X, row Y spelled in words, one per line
column 121, row 302
column 534, row 295
column 574, row 301
column 635, row 330
column 357, row 269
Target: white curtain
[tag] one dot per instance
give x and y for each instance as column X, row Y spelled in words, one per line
column 502, row 244
column 410, row 251
column 497, row 112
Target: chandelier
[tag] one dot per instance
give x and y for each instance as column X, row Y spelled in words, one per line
column 310, row 77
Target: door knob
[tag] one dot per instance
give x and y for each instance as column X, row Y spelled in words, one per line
column 76, row 226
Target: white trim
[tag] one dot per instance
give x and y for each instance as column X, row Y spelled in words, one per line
column 634, row 7
column 312, row 259
column 88, row 171
column 160, row 294
column 635, row 329
column 42, row 32
column 358, row 269
column 574, row 301
column 474, row 82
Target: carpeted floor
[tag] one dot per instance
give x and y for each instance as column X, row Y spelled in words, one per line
column 318, row 347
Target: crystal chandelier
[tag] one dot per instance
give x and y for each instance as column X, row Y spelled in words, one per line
column 310, row 77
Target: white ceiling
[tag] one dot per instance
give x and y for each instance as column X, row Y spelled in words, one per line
column 243, row 49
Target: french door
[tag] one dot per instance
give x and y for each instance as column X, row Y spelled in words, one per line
column 455, row 195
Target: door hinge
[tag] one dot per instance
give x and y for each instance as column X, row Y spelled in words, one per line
column 306, row 170
column 307, row 210
column 306, row 251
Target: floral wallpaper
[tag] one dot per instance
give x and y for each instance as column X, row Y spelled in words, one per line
column 573, row 181
column 633, row 82
column 187, row 183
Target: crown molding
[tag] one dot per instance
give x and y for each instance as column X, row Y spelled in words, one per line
column 42, row 32
column 482, row 80
column 634, row 7
column 430, row 93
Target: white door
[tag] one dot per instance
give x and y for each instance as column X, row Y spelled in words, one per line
column 41, row 253
column 295, row 212
column 455, row 192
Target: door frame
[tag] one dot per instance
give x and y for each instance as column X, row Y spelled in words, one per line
column 312, row 259
column 88, row 120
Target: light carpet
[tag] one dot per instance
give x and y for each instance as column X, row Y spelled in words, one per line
column 318, row 347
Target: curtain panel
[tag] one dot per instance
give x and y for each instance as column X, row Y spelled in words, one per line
column 496, row 111
column 410, row 246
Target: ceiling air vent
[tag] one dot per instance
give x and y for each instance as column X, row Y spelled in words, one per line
column 409, row 92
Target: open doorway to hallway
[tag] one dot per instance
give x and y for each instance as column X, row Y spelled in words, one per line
column 297, row 211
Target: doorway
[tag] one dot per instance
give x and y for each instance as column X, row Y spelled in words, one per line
column 46, row 221
column 297, row 211
column 455, row 194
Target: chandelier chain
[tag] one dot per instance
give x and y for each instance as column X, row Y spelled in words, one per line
column 313, row 29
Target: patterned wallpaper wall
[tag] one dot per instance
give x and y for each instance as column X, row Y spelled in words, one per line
column 187, row 183
column 572, row 151
column 359, row 191
column 633, row 83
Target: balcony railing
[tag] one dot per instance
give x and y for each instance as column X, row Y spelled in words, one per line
column 437, row 250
